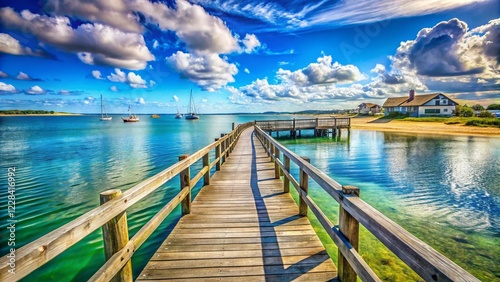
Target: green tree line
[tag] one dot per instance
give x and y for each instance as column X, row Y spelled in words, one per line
column 25, row 112
column 466, row 111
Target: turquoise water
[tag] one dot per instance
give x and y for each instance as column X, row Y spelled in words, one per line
column 445, row 190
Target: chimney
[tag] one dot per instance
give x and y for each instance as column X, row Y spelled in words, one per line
column 411, row 96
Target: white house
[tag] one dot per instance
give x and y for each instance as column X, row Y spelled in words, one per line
column 436, row 104
column 369, row 108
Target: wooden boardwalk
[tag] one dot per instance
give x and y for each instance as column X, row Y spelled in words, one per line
column 242, row 227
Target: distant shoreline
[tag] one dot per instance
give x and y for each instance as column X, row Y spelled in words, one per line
column 368, row 123
column 40, row 115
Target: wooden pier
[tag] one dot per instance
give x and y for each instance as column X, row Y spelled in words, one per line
column 320, row 126
column 242, row 226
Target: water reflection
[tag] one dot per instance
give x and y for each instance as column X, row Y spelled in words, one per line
column 451, row 178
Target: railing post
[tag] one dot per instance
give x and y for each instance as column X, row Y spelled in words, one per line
column 272, row 151
column 276, row 165
column 223, row 148
column 228, row 144
column 349, row 227
column 206, row 163
column 115, row 236
column 286, row 181
column 231, row 138
column 304, row 186
column 217, row 155
column 185, row 177
column 232, row 142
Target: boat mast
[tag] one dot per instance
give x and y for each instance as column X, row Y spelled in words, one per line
column 192, row 105
column 191, row 110
column 101, row 107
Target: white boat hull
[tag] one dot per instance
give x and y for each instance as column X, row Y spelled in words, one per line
column 130, row 119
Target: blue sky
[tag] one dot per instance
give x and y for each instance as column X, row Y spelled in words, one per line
column 244, row 56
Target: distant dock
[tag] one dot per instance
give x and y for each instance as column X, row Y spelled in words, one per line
column 320, row 126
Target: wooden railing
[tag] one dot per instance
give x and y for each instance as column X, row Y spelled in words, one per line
column 111, row 215
column 297, row 124
column 423, row 259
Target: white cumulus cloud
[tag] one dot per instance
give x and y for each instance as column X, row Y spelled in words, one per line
column 115, row 13
column 136, row 80
column 132, row 79
column 97, row 74
column 200, row 31
column 35, row 90
column 95, row 44
column 23, row 76
column 321, row 72
column 7, row 88
column 250, row 43
column 450, row 57
column 210, row 72
column 10, row 45
column 140, row 101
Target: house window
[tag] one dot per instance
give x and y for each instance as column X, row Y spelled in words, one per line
column 411, row 109
column 432, row 111
column 444, row 102
column 445, row 110
column 436, row 102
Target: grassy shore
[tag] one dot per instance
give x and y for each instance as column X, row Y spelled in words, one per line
column 34, row 113
column 453, row 125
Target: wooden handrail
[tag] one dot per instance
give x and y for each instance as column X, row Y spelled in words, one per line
column 303, row 123
column 40, row 251
column 422, row 258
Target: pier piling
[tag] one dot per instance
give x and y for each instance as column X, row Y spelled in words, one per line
column 185, row 177
column 349, row 227
column 304, row 187
column 115, row 236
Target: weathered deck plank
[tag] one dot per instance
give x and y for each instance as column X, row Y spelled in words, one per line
column 242, row 227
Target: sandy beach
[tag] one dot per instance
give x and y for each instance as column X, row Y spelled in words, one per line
column 374, row 123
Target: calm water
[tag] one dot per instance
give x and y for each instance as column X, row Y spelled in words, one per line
column 445, row 190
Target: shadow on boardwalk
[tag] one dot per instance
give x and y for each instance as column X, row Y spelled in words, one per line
column 270, row 244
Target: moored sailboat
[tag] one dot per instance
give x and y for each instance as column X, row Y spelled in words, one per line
column 104, row 115
column 178, row 115
column 131, row 117
column 192, row 109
